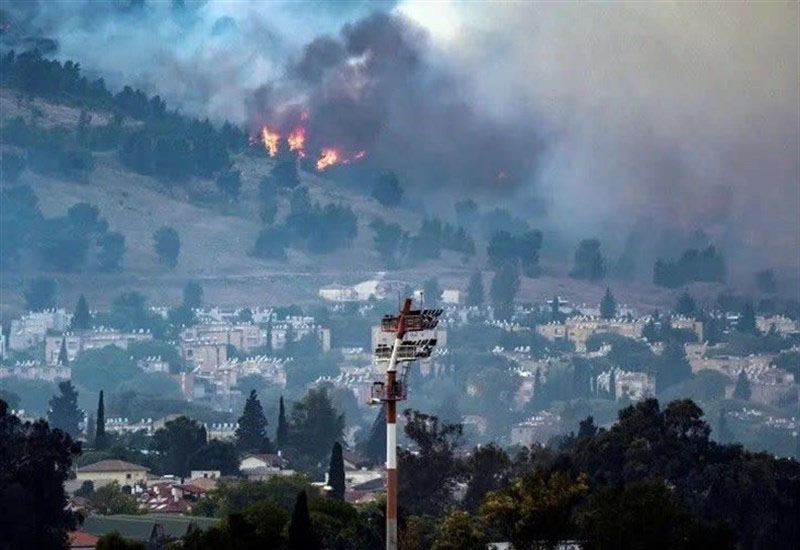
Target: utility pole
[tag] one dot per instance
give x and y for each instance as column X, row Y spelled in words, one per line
column 394, row 390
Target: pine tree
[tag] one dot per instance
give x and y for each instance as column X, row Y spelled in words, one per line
column 608, row 305
column 64, row 413
column 336, row 472
column 282, row 433
column 747, row 319
column 538, row 390
column 674, row 367
column 100, row 438
column 685, row 304
column 63, row 356
column 251, row 434
column 742, row 388
column 82, row 318
column 555, row 312
column 475, row 290
column 301, row 535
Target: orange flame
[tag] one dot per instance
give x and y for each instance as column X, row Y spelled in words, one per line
column 328, row 157
column 270, row 140
column 297, row 141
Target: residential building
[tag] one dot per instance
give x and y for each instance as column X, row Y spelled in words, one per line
column 536, row 429
column 97, row 338
column 243, row 336
column 634, row 386
column 31, row 329
column 124, row 473
column 32, row 370
column 782, row 324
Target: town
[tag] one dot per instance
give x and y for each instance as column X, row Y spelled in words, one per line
column 520, row 382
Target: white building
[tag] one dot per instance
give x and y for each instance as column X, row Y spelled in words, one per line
column 32, row 328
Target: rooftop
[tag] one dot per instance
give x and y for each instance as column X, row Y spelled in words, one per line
column 112, row 466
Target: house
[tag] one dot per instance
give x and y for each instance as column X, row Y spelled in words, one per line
column 354, row 461
column 97, row 338
column 536, row 429
column 264, row 466
column 31, row 370
column 30, row 330
column 78, row 540
column 124, row 473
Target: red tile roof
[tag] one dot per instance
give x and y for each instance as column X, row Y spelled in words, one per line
column 79, row 539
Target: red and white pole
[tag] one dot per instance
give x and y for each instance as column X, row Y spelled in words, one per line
column 391, row 432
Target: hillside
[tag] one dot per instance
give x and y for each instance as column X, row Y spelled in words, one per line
column 216, row 237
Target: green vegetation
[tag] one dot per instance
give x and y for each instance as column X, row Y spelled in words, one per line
column 694, row 265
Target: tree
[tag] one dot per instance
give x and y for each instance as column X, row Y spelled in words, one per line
column 167, row 245
column 537, row 509
column 35, row 461
column 747, row 319
column 216, row 455
column 112, row 249
column 301, row 532
column 336, row 472
column 82, row 318
column 193, row 295
column 589, row 262
column 674, row 367
column 64, row 413
column 251, row 433
column 430, row 473
column 742, row 389
column 315, row 425
column 387, row 190
column 175, row 443
column 432, row 291
column 103, row 368
column 486, row 468
column 505, row 285
column 387, row 238
column 284, row 174
column 229, row 183
column 282, row 432
column 685, row 304
column 765, row 281
column 110, row 499
column 475, row 290
column 63, row 356
column 608, row 305
column 459, row 531
column 100, row 437
column 271, row 244
column 374, row 446
column 40, row 294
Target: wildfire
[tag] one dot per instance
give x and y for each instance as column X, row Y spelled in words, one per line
column 297, row 141
column 328, row 157
column 270, row 140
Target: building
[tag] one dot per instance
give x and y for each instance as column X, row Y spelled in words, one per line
column 32, row 370
column 97, row 338
column 243, row 336
column 204, row 353
column 634, row 386
column 294, row 328
column 451, row 297
column 773, row 386
column 536, row 429
column 782, row 324
column 256, row 467
column 31, row 329
column 105, row 471
column 153, row 364
column 338, row 293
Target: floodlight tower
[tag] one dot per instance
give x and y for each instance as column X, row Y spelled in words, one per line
column 394, row 390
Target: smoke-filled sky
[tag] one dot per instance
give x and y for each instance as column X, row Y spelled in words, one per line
column 662, row 118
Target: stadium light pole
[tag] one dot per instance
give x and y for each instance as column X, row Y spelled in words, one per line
column 394, row 390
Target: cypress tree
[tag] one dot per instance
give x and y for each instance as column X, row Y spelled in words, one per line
column 742, row 388
column 301, row 536
column 336, row 472
column 282, row 433
column 64, row 413
column 608, row 305
column 612, row 385
column 81, row 319
column 251, row 434
column 63, row 357
column 100, row 438
column 475, row 290
column 747, row 319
